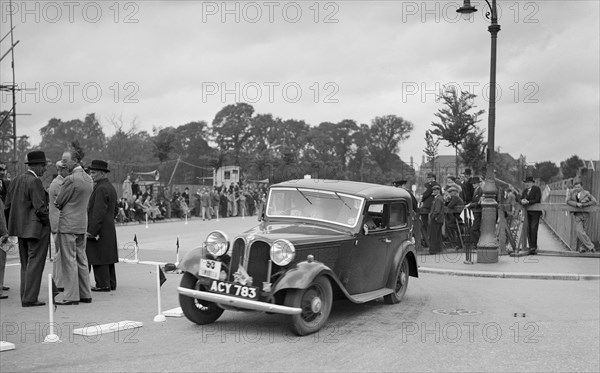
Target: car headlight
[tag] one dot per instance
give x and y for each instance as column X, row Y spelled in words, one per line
column 217, row 243
column 282, row 252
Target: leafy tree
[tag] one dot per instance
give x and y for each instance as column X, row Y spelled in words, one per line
column 472, row 151
column 386, row 133
column 231, row 128
column 455, row 120
column 57, row 136
column 164, row 142
column 431, row 148
column 570, row 166
column 546, row 170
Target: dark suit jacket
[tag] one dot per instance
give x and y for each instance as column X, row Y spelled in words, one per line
column 427, row 197
column 533, row 196
column 27, row 203
column 102, row 210
column 475, row 204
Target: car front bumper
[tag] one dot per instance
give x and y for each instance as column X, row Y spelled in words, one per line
column 230, row 301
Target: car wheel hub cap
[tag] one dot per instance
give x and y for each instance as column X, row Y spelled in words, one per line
column 315, row 305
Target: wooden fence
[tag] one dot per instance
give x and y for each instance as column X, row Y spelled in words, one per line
column 561, row 221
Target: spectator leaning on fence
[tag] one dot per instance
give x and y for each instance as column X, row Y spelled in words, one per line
column 579, row 197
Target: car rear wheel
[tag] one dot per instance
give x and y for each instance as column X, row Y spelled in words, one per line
column 315, row 302
column 402, row 276
column 198, row 311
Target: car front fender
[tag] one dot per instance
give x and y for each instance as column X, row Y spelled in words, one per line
column 302, row 275
column 191, row 261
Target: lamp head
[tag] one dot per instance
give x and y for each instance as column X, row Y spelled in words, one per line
column 466, row 10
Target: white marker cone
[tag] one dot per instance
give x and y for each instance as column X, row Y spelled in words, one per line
column 159, row 317
column 51, row 338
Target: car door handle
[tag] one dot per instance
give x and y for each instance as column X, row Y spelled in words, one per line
column 386, row 240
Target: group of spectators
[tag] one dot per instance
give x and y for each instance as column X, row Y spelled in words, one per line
column 462, row 198
column 207, row 203
column 76, row 212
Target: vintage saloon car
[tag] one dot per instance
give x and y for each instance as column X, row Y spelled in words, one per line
column 318, row 240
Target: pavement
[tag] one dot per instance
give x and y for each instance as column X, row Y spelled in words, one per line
column 554, row 261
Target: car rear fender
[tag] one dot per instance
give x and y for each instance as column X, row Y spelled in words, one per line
column 303, row 274
column 406, row 249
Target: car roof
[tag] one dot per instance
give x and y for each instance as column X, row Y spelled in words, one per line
column 365, row 190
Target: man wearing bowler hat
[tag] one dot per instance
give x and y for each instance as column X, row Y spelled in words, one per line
column 532, row 194
column 101, row 247
column 28, row 219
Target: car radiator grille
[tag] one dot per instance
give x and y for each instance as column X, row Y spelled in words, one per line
column 258, row 262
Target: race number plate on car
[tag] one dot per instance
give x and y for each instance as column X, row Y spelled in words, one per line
column 210, row 268
column 242, row 291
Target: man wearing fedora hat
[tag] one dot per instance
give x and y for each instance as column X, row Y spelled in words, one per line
column 102, row 251
column 28, row 219
column 532, row 194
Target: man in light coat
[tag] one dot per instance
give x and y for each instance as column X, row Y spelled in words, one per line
column 579, row 197
column 53, row 191
column 72, row 201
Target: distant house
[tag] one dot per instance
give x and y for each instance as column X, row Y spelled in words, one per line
column 226, row 175
column 443, row 166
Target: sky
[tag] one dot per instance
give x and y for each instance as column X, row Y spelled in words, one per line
column 159, row 64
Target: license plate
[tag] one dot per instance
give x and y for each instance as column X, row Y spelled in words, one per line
column 210, row 268
column 242, row 291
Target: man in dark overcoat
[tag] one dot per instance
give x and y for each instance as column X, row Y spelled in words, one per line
column 426, row 203
column 475, row 206
column 102, row 251
column 28, row 219
column 532, row 194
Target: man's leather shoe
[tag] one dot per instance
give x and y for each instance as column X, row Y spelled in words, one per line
column 5, row 288
column 85, row 300
column 3, row 296
column 33, row 304
column 100, row 289
column 67, row 303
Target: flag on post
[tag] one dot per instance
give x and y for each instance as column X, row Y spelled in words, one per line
column 163, row 278
column 135, row 239
column 177, row 244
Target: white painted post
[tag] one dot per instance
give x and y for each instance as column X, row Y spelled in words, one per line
column 159, row 316
column 52, row 337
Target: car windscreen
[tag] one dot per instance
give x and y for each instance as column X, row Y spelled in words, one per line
column 312, row 204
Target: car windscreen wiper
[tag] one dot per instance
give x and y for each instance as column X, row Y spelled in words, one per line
column 303, row 195
column 338, row 196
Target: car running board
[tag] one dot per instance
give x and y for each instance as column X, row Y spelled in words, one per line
column 365, row 297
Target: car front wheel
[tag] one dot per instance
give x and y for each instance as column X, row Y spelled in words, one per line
column 196, row 310
column 402, row 275
column 315, row 302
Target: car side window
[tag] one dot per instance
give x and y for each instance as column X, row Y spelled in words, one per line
column 398, row 215
column 375, row 218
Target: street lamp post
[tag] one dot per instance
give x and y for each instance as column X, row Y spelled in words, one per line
column 487, row 247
